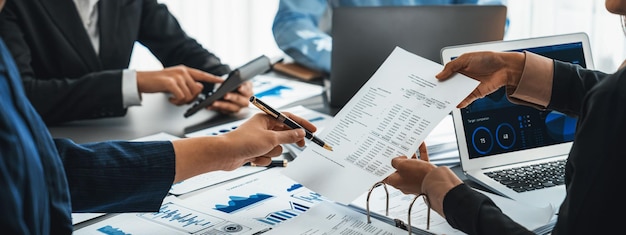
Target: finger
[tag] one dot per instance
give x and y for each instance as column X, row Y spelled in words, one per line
column 301, row 143
column 238, row 99
column 423, row 152
column 469, row 99
column 246, row 89
column 276, row 151
column 392, row 179
column 261, row 161
column 289, row 136
column 177, row 95
column 192, row 86
column 184, row 82
column 397, row 160
column 199, row 75
column 302, row 121
column 451, row 68
column 196, row 88
column 224, row 107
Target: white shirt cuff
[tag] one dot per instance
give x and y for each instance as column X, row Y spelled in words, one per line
column 130, row 93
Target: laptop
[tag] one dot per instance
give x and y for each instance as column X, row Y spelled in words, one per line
column 363, row 37
column 501, row 143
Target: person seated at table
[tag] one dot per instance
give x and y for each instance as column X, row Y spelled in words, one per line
column 594, row 163
column 43, row 180
column 73, row 57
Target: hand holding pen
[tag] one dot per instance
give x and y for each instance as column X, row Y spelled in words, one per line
column 287, row 121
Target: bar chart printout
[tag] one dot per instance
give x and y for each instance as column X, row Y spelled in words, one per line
column 174, row 217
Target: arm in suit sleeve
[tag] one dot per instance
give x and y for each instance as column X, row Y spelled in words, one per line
column 571, row 84
column 162, row 34
column 474, row 213
column 296, row 31
column 117, row 176
column 58, row 88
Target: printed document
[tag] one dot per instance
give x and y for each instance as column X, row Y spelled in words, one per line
column 390, row 116
column 533, row 218
column 328, row 218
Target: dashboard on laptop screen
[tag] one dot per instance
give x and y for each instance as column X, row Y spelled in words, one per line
column 493, row 125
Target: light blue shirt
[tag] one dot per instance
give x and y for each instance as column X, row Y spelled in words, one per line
column 301, row 27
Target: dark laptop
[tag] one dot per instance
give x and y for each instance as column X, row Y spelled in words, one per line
column 364, row 36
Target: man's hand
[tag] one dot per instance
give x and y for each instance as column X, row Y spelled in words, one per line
column 180, row 81
column 257, row 141
column 234, row 101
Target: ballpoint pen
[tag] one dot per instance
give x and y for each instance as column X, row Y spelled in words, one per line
column 287, row 121
column 274, row 163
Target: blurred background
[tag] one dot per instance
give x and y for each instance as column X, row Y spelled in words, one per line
column 241, row 30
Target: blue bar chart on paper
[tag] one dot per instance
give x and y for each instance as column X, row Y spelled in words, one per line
column 277, row 217
column 173, row 217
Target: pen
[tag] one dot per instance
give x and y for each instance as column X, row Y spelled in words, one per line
column 287, row 121
column 274, row 163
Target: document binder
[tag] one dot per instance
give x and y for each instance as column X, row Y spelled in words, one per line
column 397, row 222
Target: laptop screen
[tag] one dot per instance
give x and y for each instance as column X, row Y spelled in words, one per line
column 363, row 37
column 493, row 125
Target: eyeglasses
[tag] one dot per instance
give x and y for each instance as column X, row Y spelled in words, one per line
column 399, row 223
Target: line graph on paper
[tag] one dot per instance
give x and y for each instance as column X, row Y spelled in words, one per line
column 190, row 221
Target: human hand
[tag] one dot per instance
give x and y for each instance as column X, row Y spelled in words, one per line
column 410, row 172
column 182, row 82
column 257, row 140
column 492, row 69
column 416, row 176
column 232, row 102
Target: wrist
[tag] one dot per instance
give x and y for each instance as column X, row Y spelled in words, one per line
column 515, row 62
column 197, row 155
column 437, row 183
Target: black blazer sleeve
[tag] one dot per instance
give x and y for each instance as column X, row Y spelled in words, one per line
column 474, row 213
column 597, row 99
column 63, row 76
column 597, row 158
column 571, row 83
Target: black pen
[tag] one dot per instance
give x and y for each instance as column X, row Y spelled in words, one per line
column 274, row 163
column 287, row 121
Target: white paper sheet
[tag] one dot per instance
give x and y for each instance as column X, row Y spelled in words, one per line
column 390, row 115
column 279, row 92
column 531, row 217
column 175, row 217
column 267, row 197
column 328, row 218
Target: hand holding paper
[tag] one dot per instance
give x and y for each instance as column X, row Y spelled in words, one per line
column 391, row 115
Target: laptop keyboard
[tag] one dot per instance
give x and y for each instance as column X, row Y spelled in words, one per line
column 532, row 177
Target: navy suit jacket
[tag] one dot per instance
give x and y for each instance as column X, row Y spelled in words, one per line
column 64, row 77
column 43, row 180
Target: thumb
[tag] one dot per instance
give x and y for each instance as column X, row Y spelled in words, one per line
column 290, row 136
